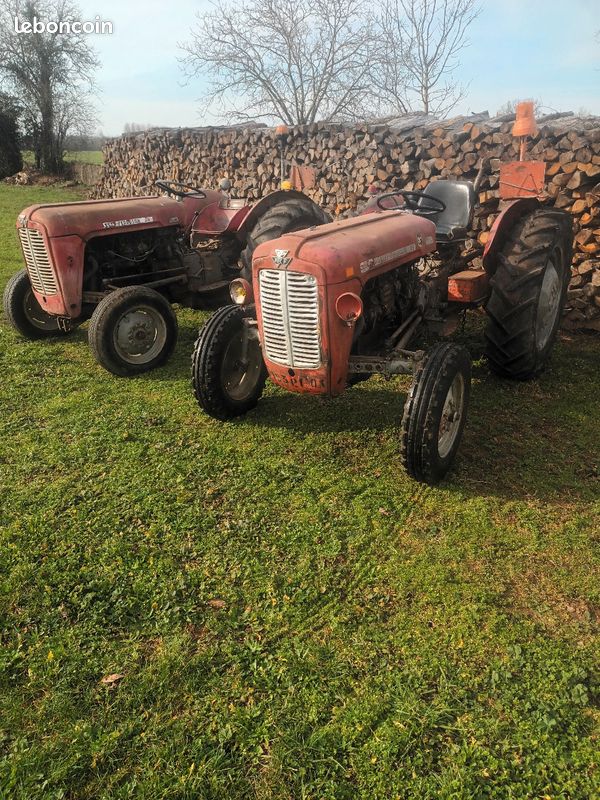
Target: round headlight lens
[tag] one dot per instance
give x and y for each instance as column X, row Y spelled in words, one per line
column 240, row 292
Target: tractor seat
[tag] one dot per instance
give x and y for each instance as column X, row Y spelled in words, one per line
column 452, row 224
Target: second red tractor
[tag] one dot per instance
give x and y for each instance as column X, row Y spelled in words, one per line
column 122, row 263
column 330, row 306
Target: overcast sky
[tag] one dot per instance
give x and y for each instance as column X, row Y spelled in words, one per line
column 544, row 49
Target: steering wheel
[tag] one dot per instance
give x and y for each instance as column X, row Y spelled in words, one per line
column 179, row 189
column 424, row 204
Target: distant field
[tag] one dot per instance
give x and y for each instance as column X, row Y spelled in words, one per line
column 85, row 156
column 269, row 609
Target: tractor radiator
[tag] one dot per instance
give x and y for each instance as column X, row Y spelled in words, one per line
column 289, row 303
column 38, row 261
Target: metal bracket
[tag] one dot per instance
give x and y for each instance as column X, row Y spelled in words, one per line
column 249, row 333
column 397, row 363
column 182, row 278
column 64, row 324
column 93, row 297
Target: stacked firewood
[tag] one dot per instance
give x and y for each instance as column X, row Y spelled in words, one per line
column 406, row 152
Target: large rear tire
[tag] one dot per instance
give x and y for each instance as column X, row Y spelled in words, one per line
column 25, row 313
column 528, row 293
column 227, row 385
column 435, row 412
column 287, row 216
column 132, row 330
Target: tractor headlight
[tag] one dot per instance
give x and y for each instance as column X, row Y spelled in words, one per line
column 349, row 307
column 241, row 292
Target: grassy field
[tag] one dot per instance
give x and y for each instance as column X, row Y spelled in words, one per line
column 85, row 156
column 270, row 608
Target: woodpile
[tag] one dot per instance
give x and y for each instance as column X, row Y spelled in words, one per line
column 405, row 152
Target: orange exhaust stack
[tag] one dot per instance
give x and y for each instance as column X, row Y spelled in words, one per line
column 525, row 120
column 523, row 178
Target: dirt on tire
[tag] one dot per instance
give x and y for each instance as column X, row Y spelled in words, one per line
column 542, row 240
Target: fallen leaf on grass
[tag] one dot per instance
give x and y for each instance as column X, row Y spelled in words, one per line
column 111, row 680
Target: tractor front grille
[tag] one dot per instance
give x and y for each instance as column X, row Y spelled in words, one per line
column 289, row 303
column 39, row 266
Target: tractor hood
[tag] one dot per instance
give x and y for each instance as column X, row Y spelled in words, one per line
column 91, row 218
column 363, row 246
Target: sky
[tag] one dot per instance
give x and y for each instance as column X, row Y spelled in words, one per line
column 542, row 49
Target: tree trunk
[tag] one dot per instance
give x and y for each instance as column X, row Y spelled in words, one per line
column 49, row 157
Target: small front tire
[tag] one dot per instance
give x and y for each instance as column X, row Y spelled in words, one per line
column 228, row 373
column 132, row 330
column 25, row 313
column 435, row 413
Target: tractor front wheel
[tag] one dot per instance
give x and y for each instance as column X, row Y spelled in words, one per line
column 228, row 371
column 435, row 412
column 25, row 313
column 528, row 293
column 132, row 330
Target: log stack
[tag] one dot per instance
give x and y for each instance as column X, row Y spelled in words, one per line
column 405, row 152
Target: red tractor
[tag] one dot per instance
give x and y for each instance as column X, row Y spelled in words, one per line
column 123, row 262
column 328, row 307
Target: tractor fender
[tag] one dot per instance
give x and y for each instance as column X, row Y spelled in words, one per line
column 268, row 202
column 503, row 224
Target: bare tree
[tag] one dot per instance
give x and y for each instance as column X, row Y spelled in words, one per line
column 296, row 61
column 50, row 73
column 74, row 116
column 510, row 107
column 137, row 127
column 421, row 42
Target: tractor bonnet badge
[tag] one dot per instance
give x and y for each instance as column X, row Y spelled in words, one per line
column 419, row 240
column 281, row 258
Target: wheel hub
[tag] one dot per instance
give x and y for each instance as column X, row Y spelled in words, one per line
column 140, row 334
column 548, row 305
column 240, row 375
column 452, row 413
column 36, row 315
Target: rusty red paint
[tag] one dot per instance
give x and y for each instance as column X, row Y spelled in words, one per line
column 522, row 179
column 468, row 286
column 342, row 256
column 67, row 227
column 503, row 223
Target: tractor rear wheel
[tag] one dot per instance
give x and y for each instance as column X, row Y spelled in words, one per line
column 528, row 293
column 132, row 330
column 435, row 412
column 25, row 313
column 287, row 216
column 228, row 371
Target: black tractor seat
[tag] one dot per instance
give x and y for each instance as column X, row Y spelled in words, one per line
column 452, row 224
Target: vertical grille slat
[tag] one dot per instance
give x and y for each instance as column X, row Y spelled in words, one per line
column 39, row 266
column 290, row 316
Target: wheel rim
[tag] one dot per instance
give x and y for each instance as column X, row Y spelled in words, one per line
column 36, row 315
column 452, row 414
column 239, row 378
column 548, row 305
column 140, row 335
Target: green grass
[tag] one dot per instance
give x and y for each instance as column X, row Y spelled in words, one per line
column 85, row 156
column 292, row 617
